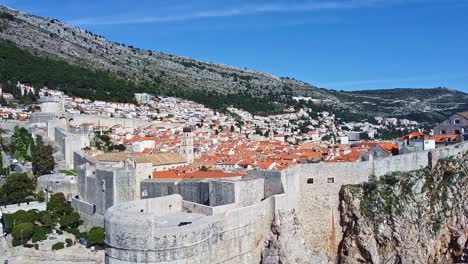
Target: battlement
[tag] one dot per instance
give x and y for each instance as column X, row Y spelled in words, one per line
column 177, row 227
column 171, row 230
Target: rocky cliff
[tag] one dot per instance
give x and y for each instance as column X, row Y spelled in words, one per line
column 285, row 243
column 416, row 217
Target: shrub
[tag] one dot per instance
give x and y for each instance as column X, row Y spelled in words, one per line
column 28, row 245
column 58, row 245
column 69, row 242
column 73, row 231
column 40, row 233
column 83, row 235
column 96, row 236
column 19, row 217
column 40, row 196
column 15, row 242
column 23, row 232
column 58, row 205
column 70, row 221
column 47, row 219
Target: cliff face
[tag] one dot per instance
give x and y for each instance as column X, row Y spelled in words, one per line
column 416, row 217
column 286, row 245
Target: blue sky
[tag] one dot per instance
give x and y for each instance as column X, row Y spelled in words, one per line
column 340, row 44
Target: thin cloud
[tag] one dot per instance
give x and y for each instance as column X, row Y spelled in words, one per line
column 232, row 12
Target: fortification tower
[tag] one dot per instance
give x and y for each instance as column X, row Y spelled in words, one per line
column 186, row 150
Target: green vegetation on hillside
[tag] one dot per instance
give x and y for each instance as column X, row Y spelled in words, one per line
column 19, row 65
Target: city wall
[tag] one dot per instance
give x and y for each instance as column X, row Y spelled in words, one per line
column 88, row 213
column 9, row 125
column 11, row 208
column 237, row 236
column 207, row 192
column 106, row 121
column 237, row 232
column 59, row 182
column 321, row 183
column 70, row 143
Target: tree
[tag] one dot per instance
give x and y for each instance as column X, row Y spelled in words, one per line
column 1, row 161
column 40, row 233
column 20, row 216
column 20, row 144
column 203, row 168
column 96, row 236
column 258, row 131
column 17, row 188
column 42, row 157
column 232, row 128
column 58, row 246
column 23, row 232
column 47, row 219
column 58, row 205
column 70, row 221
column 120, row 147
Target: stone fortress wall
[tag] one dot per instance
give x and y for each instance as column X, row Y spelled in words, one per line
column 78, row 119
column 58, row 182
column 191, row 222
column 171, row 230
column 99, row 188
column 320, row 184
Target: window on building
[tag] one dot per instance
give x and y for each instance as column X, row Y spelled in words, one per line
column 457, row 132
column 331, row 180
column 456, row 121
column 443, row 132
column 310, row 181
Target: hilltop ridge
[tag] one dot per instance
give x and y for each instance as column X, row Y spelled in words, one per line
column 50, row 37
column 213, row 84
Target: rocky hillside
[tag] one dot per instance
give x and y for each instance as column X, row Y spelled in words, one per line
column 50, row 37
column 159, row 73
column 432, row 105
column 417, row 217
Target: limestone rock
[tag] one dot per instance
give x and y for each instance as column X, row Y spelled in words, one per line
column 416, row 217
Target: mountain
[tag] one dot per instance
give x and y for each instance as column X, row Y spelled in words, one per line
column 51, row 38
column 121, row 70
column 432, row 105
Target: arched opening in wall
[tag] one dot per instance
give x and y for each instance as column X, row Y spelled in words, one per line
column 310, row 181
column 331, row 180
